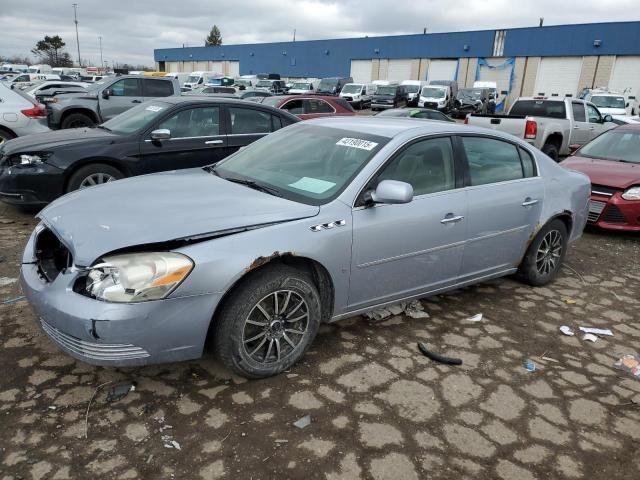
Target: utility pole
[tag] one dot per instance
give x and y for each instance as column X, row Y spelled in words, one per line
column 101, row 62
column 294, row 34
column 75, row 19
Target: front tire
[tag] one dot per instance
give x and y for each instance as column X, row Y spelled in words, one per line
column 268, row 322
column 77, row 120
column 93, row 174
column 544, row 257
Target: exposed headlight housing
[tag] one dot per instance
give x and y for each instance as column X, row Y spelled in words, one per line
column 632, row 193
column 29, row 159
column 137, row 277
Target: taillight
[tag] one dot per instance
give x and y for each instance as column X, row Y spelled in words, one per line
column 530, row 129
column 466, row 120
column 37, row 111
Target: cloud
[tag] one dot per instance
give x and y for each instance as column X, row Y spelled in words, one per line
column 131, row 30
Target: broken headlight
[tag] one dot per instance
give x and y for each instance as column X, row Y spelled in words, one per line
column 29, row 159
column 137, row 277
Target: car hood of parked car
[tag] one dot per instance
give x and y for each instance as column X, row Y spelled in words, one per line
column 46, row 141
column 182, row 205
column 606, row 172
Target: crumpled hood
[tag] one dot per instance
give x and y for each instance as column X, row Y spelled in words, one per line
column 606, row 172
column 159, row 208
column 42, row 142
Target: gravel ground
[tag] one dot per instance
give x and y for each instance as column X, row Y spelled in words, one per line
column 379, row 409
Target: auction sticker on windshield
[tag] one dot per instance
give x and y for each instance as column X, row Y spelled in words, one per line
column 357, row 143
column 153, row 108
column 312, row 185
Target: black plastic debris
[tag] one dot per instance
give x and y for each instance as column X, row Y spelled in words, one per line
column 437, row 357
column 120, row 390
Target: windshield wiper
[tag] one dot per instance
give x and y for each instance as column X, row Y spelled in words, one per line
column 254, row 185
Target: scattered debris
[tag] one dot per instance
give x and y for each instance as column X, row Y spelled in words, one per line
column 86, row 417
column 150, row 458
column 438, row 358
column 4, row 281
column 570, row 301
column 590, row 337
column 530, row 366
column 597, row 331
column 170, row 443
column 629, row 363
column 12, row 300
column 303, row 422
column 567, row 331
column 281, row 440
column 413, row 309
column 120, row 390
column 475, row 318
column 549, row 359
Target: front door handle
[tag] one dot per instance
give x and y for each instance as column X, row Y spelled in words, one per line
column 213, row 142
column 529, row 201
column 136, row 101
column 451, row 219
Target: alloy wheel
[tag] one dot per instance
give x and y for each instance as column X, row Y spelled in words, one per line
column 96, row 179
column 275, row 327
column 549, row 252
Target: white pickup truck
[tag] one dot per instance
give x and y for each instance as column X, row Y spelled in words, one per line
column 554, row 125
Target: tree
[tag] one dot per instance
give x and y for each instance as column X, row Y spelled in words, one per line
column 214, row 38
column 50, row 51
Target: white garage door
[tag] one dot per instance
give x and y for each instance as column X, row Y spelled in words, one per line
column 442, row 70
column 500, row 75
column 558, row 76
column 200, row 66
column 233, row 69
column 215, row 67
column 625, row 77
column 399, row 70
column 361, row 71
column 172, row 67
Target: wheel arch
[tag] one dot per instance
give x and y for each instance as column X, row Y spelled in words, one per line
column 84, row 111
column 8, row 130
column 318, row 272
column 554, row 138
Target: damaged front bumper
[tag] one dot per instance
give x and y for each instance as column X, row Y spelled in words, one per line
column 118, row 334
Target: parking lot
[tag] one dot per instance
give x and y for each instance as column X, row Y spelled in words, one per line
column 378, row 408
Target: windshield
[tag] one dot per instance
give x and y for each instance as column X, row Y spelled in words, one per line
column 412, row 88
column 386, row 90
column 301, row 86
column 608, row 101
column 470, row 93
column 193, row 79
column 316, row 165
column 136, row 118
column 264, row 83
column 617, row 145
column 95, row 86
column 351, row 88
column 431, row 92
column 327, row 85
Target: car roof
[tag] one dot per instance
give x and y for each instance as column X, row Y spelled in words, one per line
column 207, row 99
column 393, row 126
column 628, row 127
column 308, row 97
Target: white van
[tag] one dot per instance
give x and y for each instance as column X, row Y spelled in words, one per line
column 42, row 68
column 199, row 78
column 180, row 76
column 358, row 94
column 14, row 67
column 435, row 97
column 61, row 71
column 27, row 79
column 413, row 88
column 303, row 87
column 612, row 103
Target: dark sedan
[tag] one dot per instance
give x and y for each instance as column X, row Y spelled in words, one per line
column 423, row 113
column 612, row 162
column 166, row 134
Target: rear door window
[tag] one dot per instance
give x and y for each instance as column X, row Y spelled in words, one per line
column 247, row 120
column 578, row 112
column 491, row 160
column 157, row 88
column 318, row 106
column 539, row 108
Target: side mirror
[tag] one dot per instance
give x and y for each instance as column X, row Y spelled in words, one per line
column 106, row 93
column 607, row 118
column 392, row 192
column 161, row 134
column 573, row 149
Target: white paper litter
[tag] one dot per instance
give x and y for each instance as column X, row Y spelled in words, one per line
column 567, row 331
column 475, row 318
column 590, row 337
column 597, row 331
column 4, row 281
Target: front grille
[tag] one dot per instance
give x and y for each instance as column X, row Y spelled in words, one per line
column 595, row 209
column 431, row 105
column 602, row 190
column 52, row 256
column 348, row 99
column 94, row 351
column 614, row 215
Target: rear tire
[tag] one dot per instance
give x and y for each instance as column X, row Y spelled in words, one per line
column 544, row 257
column 551, row 151
column 77, row 120
column 254, row 333
column 93, row 174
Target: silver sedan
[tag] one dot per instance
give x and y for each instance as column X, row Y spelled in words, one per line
column 316, row 222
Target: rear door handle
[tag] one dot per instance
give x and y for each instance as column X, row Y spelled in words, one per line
column 213, row 142
column 451, row 219
column 136, row 101
column 529, row 201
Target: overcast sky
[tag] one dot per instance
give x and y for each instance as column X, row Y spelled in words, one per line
column 131, row 29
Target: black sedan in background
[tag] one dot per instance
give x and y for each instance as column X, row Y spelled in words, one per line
column 166, row 134
column 423, row 113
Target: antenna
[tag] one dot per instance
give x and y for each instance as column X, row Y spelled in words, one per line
column 75, row 20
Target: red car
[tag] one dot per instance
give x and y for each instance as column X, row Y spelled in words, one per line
column 311, row 106
column 612, row 162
